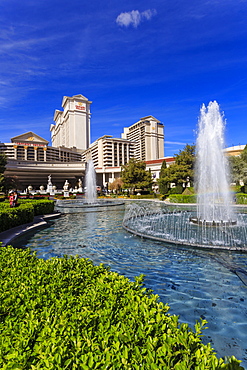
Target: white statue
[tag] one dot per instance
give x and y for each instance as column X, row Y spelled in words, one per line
column 49, row 180
column 80, row 185
column 66, row 186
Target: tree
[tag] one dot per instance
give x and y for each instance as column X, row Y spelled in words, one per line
column 116, row 185
column 238, row 166
column 182, row 171
column 135, row 176
column 162, row 181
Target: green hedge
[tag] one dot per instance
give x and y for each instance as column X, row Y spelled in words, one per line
column 11, row 217
column 181, row 198
column 241, row 198
column 143, row 196
column 66, row 313
column 24, row 213
column 41, row 206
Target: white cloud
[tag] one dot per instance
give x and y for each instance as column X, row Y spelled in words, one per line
column 134, row 18
column 175, row 142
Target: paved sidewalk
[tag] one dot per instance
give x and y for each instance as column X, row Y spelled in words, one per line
column 6, row 237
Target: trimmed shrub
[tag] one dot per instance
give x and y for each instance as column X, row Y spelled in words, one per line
column 143, row 196
column 66, row 313
column 177, row 190
column 41, row 207
column 11, row 217
column 244, row 189
column 181, row 198
column 24, row 213
column 241, row 198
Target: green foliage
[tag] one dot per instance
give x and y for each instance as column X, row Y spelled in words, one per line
column 135, row 176
column 40, row 206
column 24, row 213
column 244, row 189
column 181, row 172
column 66, row 313
column 189, row 191
column 182, row 198
column 11, row 217
column 177, row 190
column 241, row 198
column 163, row 185
column 238, row 167
column 143, row 196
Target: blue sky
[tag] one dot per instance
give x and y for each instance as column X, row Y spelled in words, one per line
column 131, row 58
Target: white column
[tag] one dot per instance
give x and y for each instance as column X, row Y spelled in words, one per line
column 15, row 151
column 123, row 159
column 25, row 151
column 35, row 153
column 44, row 154
column 112, row 155
column 117, row 154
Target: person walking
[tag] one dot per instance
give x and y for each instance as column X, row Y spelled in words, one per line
column 15, row 199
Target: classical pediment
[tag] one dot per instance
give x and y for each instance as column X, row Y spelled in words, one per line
column 80, row 96
column 29, row 137
column 150, row 118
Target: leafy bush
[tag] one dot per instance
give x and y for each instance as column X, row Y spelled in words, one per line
column 11, row 217
column 241, row 198
column 24, row 213
column 244, row 189
column 66, row 313
column 181, row 198
column 177, row 190
column 72, row 196
column 41, row 206
column 189, row 191
column 2, row 198
column 143, row 196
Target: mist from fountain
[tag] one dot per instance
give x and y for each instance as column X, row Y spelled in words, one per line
column 90, row 180
column 214, row 203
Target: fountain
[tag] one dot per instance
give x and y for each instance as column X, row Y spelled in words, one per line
column 213, row 224
column 214, row 203
column 90, row 200
column 91, row 193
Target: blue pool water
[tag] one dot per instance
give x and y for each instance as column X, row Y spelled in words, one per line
column 194, row 283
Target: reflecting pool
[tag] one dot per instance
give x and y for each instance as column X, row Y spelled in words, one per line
column 207, row 284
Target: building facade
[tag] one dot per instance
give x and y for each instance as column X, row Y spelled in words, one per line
column 148, row 135
column 234, row 151
column 109, row 152
column 72, row 125
column 31, row 147
column 108, row 155
column 31, row 160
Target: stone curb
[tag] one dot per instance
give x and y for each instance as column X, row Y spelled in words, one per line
column 6, row 237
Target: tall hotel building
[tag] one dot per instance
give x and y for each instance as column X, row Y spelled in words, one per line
column 109, row 152
column 72, row 125
column 148, row 135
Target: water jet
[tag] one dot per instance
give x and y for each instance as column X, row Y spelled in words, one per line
column 90, row 200
column 212, row 223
